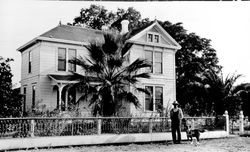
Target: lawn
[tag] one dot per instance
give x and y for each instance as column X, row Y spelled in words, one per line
column 230, row 144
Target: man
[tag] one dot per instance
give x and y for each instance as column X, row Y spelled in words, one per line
column 176, row 116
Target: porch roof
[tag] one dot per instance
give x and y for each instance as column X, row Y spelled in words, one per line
column 72, row 78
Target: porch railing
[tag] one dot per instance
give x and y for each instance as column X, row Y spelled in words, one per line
column 40, row 127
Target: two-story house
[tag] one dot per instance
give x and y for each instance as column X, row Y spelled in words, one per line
column 46, row 74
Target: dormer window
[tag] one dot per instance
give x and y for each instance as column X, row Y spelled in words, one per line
column 153, row 37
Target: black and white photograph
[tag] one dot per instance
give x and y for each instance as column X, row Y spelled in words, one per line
column 116, row 76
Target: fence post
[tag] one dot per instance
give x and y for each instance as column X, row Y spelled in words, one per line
column 192, row 124
column 227, row 121
column 99, row 126
column 150, row 125
column 32, row 128
column 241, row 122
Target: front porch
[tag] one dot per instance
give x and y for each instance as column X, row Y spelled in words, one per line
column 66, row 92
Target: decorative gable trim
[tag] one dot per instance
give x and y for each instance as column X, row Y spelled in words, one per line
column 135, row 38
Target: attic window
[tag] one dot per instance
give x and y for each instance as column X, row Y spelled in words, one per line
column 156, row 38
column 153, row 37
column 150, row 37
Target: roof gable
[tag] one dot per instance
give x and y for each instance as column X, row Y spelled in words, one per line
column 165, row 40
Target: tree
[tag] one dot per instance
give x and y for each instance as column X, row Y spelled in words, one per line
column 10, row 100
column 97, row 16
column 243, row 91
column 215, row 94
column 112, row 76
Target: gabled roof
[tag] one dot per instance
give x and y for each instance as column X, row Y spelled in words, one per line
column 82, row 36
column 142, row 31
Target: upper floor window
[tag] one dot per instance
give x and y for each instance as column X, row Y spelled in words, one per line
column 156, row 40
column 154, row 100
column 158, row 62
column 149, row 58
column 155, row 58
column 71, row 55
column 62, row 59
column 153, row 37
column 30, row 60
column 64, row 55
column 150, row 37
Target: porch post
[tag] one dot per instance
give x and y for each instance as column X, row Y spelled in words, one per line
column 66, row 98
column 60, row 88
column 227, row 121
column 241, row 122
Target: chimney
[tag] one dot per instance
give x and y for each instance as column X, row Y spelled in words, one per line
column 105, row 28
column 124, row 24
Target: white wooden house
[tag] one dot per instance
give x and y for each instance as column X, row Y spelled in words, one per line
column 46, row 74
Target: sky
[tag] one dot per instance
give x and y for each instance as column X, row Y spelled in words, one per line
column 227, row 24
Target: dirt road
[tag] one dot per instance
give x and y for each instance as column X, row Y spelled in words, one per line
column 231, row 144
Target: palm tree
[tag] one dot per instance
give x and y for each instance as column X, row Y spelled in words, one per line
column 220, row 93
column 109, row 78
column 243, row 92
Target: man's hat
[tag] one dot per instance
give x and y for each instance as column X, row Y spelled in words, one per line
column 175, row 103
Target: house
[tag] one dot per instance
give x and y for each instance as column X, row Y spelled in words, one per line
column 46, row 74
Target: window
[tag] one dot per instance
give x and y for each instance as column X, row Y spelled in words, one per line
column 33, row 96
column 150, row 37
column 158, row 62
column 61, row 59
column 155, row 58
column 66, row 55
column 30, row 60
column 153, row 37
column 24, row 99
column 158, row 98
column 149, row 58
column 149, row 99
column 154, row 101
column 71, row 55
column 156, row 40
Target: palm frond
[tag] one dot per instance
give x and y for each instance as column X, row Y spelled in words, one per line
column 144, row 75
column 96, row 53
column 130, row 97
column 143, row 90
column 137, row 64
column 111, row 43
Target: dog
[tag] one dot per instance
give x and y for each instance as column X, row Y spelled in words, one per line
column 192, row 133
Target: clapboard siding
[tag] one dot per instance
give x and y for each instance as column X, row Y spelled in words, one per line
column 48, row 94
column 35, row 53
column 49, row 57
column 28, row 83
column 165, row 80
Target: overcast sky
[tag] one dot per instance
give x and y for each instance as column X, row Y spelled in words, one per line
column 227, row 24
